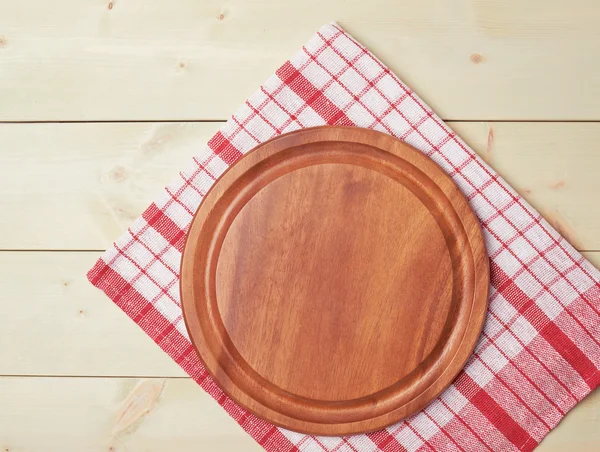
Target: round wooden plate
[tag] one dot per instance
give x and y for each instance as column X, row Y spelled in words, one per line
column 334, row 281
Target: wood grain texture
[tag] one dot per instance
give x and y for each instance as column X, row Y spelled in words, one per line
column 184, row 59
column 134, row 59
column 348, row 247
column 38, row 306
column 114, row 415
column 552, row 165
column 54, row 322
column 89, row 181
column 83, row 411
column 80, row 414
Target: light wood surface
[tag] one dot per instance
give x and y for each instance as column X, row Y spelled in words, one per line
column 94, row 414
column 90, row 180
column 46, row 295
column 300, row 230
column 186, row 59
column 81, row 413
column 70, row 358
column 100, row 341
column 114, row 415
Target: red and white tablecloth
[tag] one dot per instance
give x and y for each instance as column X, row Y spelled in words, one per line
column 539, row 353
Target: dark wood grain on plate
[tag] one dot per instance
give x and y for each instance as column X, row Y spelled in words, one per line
column 334, row 280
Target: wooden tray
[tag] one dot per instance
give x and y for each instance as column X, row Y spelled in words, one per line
column 334, row 281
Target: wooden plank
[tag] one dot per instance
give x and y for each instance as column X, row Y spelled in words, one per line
column 593, row 257
column 72, row 329
column 54, row 322
column 86, row 182
column 578, row 431
column 184, row 59
column 118, row 414
column 114, row 414
column 552, row 165
column 78, row 186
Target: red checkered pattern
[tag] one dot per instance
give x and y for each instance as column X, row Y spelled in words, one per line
column 539, row 353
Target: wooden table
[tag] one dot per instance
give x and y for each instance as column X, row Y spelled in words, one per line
column 101, row 103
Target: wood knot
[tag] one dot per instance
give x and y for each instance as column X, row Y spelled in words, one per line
column 489, row 149
column 81, row 312
column 221, row 17
column 139, row 403
column 3, row 41
column 182, row 64
column 476, row 58
column 118, row 174
column 125, row 214
column 110, row 5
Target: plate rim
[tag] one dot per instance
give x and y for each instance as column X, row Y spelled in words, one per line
column 478, row 300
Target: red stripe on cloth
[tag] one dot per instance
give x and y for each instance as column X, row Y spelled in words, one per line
column 386, row 442
column 578, row 335
column 550, row 379
column 498, row 278
column 569, row 351
column 551, row 332
column 441, row 430
column 531, row 393
column 464, row 435
column 499, row 418
column 475, row 417
column 221, row 146
column 515, row 406
column 178, row 347
column 589, row 318
column 440, row 442
column 166, row 227
column 313, row 97
column 525, row 306
column 96, row 274
column 141, row 314
column 275, row 440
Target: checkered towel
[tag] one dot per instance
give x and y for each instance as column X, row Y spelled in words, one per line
column 539, row 353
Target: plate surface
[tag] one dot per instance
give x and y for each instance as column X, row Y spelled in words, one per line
column 334, row 281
